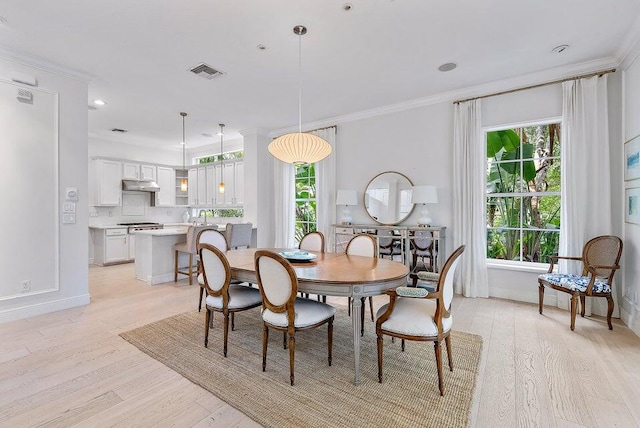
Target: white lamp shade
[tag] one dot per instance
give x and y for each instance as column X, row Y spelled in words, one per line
column 424, row 195
column 299, row 148
column 347, row 197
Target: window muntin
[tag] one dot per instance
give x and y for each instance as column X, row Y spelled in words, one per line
column 523, row 193
column 305, row 200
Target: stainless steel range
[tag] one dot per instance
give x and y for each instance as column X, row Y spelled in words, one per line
column 145, row 225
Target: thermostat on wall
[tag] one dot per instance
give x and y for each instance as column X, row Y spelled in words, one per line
column 71, row 194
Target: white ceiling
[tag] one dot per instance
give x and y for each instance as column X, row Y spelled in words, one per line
column 380, row 53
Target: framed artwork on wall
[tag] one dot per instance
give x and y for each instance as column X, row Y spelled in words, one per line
column 632, row 205
column 632, row 159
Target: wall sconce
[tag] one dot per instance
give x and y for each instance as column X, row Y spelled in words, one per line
column 424, row 195
column 346, row 198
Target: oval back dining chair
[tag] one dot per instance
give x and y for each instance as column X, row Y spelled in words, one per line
column 222, row 296
column 282, row 310
column 422, row 246
column 363, row 244
column 600, row 257
column 312, row 241
column 416, row 314
column 189, row 247
column 211, row 237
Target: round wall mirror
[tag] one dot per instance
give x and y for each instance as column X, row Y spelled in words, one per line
column 387, row 198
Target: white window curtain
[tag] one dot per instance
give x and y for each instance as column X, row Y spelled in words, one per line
column 326, row 187
column 469, row 225
column 285, row 214
column 586, row 186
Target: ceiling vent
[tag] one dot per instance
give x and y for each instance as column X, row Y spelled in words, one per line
column 122, row 131
column 206, row 71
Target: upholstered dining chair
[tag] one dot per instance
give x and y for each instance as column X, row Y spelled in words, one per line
column 190, row 248
column 422, row 247
column 222, row 296
column 416, row 314
column 218, row 240
column 282, row 310
column 365, row 245
column 313, row 241
column 600, row 257
column 389, row 244
column 238, row 235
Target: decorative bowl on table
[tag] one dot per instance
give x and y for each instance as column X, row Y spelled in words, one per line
column 298, row 256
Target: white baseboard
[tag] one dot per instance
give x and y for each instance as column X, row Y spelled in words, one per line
column 43, row 308
column 631, row 319
column 529, row 296
column 159, row 279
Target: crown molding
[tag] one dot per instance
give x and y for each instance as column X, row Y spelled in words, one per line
column 535, row 78
column 630, row 48
column 44, row 65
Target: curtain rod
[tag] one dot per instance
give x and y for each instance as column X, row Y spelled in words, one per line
column 322, row 129
column 583, row 76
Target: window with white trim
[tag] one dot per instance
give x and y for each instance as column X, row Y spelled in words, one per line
column 523, row 192
column 305, row 188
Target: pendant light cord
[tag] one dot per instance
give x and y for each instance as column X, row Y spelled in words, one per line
column 300, row 83
column 184, row 143
column 221, row 154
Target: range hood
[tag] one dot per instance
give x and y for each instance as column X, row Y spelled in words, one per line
column 140, row 185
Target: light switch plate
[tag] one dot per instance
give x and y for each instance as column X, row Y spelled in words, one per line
column 71, row 194
column 68, row 218
column 69, row 207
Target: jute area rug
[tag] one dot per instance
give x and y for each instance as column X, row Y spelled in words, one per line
column 322, row 396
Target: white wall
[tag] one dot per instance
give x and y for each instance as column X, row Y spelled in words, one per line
column 72, row 165
column 123, row 150
column 631, row 270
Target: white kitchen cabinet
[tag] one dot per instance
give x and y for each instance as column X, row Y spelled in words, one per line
column 136, row 171
column 212, row 185
column 166, row 178
column 204, row 185
column 229, row 184
column 107, row 183
column 238, row 175
column 111, row 246
column 192, row 190
column 132, row 246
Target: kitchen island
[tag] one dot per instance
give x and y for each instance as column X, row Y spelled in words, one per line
column 154, row 259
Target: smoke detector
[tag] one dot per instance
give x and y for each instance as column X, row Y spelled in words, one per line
column 206, row 71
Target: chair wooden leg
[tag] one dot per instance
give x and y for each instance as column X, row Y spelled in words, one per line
column 438, row 351
column 206, row 327
column 284, row 339
column 447, row 341
column 349, row 305
column 200, row 301
column 379, row 357
column 582, row 305
column 371, row 307
column 609, row 311
column 190, row 268
column 574, row 307
column 226, row 331
column 233, row 321
column 265, row 340
column 330, row 339
column 540, row 297
column 292, row 354
column 402, row 345
column 175, row 266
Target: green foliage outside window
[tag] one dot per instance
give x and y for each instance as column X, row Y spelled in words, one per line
column 523, row 193
column 305, row 182
column 224, row 156
column 222, row 212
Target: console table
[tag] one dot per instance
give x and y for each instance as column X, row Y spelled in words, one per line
column 343, row 233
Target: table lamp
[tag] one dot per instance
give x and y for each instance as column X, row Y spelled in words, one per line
column 424, row 195
column 346, row 198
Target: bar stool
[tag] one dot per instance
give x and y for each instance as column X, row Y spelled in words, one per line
column 188, row 247
column 238, row 235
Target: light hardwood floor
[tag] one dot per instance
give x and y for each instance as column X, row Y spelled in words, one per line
column 71, row 368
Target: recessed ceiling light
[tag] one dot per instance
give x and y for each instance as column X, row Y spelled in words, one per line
column 261, row 47
column 99, row 102
column 448, row 66
column 560, row 48
column 347, row 7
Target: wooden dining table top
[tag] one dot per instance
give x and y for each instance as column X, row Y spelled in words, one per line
column 328, row 268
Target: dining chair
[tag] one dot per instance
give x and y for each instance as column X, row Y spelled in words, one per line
column 362, row 244
column 422, row 247
column 211, row 237
column 313, row 241
column 389, row 244
column 222, row 296
column 600, row 257
column 282, row 310
column 238, row 235
column 189, row 247
column 416, row 314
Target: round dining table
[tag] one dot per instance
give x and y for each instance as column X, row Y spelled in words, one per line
column 333, row 274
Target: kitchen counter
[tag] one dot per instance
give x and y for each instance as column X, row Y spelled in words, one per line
column 114, row 226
